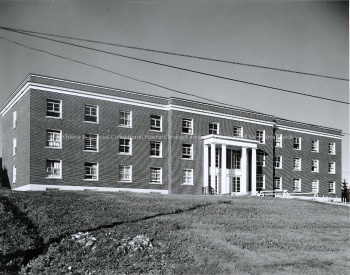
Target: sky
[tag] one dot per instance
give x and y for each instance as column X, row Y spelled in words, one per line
column 306, row 36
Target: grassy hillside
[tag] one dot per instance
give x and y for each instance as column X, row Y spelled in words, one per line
column 174, row 234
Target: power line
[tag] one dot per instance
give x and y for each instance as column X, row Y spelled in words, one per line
column 126, row 76
column 183, row 69
column 175, row 54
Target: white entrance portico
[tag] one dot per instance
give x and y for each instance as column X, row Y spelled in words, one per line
column 229, row 164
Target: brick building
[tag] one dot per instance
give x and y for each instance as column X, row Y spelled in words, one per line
column 60, row 134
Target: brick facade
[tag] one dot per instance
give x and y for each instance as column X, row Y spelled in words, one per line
column 30, row 101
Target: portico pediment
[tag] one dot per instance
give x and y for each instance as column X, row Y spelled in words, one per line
column 229, row 140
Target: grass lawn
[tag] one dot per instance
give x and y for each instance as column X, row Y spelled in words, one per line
column 189, row 234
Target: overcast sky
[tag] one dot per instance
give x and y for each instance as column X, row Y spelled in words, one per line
column 305, row 36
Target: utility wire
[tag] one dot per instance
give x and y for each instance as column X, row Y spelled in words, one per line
column 129, row 77
column 183, row 69
column 176, row 54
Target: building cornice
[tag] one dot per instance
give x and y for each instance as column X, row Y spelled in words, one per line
column 304, row 131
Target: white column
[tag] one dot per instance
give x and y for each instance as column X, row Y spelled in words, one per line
column 244, row 170
column 224, row 188
column 212, row 167
column 253, row 171
column 206, row 165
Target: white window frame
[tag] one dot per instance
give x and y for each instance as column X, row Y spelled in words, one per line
column 315, row 164
column 258, row 181
column 238, row 131
column 156, row 175
column 14, row 119
column 296, row 185
column 60, row 169
column 297, row 141
column 14, row 174
column 331, row 148
column 261, row 159
column 331, row 189
column 48, row 141
column 187, row 179
column 260, row 136
column 236, row 184
column 278, row 140
column 87, row 175
column 317, row 184
column 87, row 149
column 125, row 146
column 90, row 113
column 186, row 155
column 280, row 183
column 153, row 123
column 54, row 101
column 279, row 161
column 212, row 126
column 121, row 168
column 187, row 123
column 297, row 164
column 331, row 167
column 14, row 146
column 315, row 146
column 123, row 120
column 154, row 149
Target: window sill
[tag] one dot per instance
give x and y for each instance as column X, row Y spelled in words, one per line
column 278, row 146
column 90, row 151
column 331, row 173
column 90, row 180
column 91, row 122
column 297, row 149
column 124, row 154
column 53, row 117
column 54, row 178
column 187, row 184
column 314, row 151
column 297, row 170
column 125, row 126
column 331, row 154
column 156, row 183
column 124, row 181
column 279, row 168
column 187, row 158
column 190, row 134
column 49, row 147
column 156, row 157
column 315, row 172
column 331, row 193
column 157, row 131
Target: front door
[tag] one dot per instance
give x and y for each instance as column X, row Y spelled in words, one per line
column 236, row 184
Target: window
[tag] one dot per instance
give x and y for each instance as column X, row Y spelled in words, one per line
column 53, row 139
column 14, row 146
column 187, row 176
column 260, row 182
column 278, row 162
column 314, row 146
column 331, row 167
column 14, row 174
column 314, row 165
column 277, row 183
column 125, row 173
column 297, row 164
column 91, row 113
column 125, row 118
column 54, row 108
column 314, row 186
column 278, row 140
column 91, row 142
column 237, row 131
column 125, row 146
column 297, row 185
column 260, row 159
column 260, row 136
column 91, row 171
column 297, row 143
column 331, row 148
column 54, row 168
column 14, row 119
column 187, row 126
column 331, row 187
column 236, row 184
column 156, row 175
column 187, row 152
column 156, row 149
column 156, row 123
column 233, row 159
column 213, row 128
